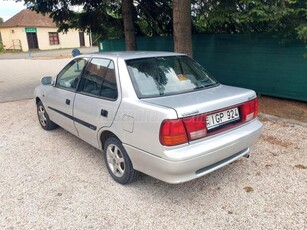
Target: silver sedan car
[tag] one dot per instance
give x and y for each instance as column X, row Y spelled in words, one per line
column 159, row 113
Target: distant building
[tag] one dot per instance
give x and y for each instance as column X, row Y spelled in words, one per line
column 28, row 30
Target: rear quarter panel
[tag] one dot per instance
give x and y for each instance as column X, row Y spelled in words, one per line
column 137, row 123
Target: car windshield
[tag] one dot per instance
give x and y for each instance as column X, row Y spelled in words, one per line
column 158, row 76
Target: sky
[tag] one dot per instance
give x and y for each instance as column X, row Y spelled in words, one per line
column 8, row 8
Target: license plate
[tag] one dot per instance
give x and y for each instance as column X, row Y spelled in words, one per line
column 221, row 118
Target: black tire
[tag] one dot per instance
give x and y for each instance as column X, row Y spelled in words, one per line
column 118, row 162
column 43, row 117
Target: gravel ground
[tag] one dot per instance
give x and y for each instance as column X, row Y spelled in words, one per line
column 284, row 108
column 53, row 180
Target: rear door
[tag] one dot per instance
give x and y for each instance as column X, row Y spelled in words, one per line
column 60, row 99
column 97, row 99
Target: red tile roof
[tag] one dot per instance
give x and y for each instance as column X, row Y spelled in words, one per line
column 28, row 18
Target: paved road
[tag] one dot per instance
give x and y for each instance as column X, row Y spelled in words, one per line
column 19, row 77
column 20, row 74
column 45, row 53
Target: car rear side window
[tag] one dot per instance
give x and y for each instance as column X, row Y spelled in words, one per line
column 160, row 76
column 99, row 79
column 69, row 77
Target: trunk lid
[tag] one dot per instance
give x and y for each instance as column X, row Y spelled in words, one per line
column 204, row 101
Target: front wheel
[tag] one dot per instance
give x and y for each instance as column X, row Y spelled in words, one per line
column 118, row 162
column 43, row 117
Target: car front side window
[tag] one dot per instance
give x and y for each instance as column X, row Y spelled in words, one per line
column 69, row 77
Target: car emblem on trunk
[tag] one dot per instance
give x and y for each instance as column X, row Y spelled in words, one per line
column 190, row 113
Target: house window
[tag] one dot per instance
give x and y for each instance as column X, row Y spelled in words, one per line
column 54, row 38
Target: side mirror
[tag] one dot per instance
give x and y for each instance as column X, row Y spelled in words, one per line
column 47, row 80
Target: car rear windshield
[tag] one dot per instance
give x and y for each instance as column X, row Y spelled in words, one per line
column 160, row 76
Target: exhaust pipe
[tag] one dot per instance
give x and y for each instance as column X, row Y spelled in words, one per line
column 246, row 156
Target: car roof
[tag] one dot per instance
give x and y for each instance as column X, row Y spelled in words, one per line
column 126, row 55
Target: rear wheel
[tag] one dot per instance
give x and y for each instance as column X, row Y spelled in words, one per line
column 43, row 117
column 118, row 162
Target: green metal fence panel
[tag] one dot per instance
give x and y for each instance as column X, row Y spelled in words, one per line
column 143, row 43
column 112, row 45
column 258, row 63
column 158, row 43
column 261, row 64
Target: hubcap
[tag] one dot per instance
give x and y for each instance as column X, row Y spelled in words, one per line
column 115, row 160
column 42, row 115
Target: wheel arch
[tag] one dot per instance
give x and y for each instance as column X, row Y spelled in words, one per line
column 104, row 136
column 37, row 99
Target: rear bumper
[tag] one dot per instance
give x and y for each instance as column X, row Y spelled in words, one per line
column 197, row 159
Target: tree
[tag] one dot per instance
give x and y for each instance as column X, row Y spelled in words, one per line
column 285, row 19
column 182, row 26
column 1, row 20
column 154, row 18
column 111, row 19
column 128, row 24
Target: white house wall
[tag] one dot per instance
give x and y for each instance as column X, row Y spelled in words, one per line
column 16, row 34
column 12, row 37
column 67, row 40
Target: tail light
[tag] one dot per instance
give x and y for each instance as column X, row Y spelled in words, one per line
column 180, row 131
column 172, row 132
column 249, row 110
column 196, row 126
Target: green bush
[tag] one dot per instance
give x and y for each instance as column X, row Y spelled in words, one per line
column 1, row 48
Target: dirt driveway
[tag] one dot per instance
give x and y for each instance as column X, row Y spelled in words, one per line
column 54, row 180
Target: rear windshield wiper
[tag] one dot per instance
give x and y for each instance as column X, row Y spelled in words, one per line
column 205, row 86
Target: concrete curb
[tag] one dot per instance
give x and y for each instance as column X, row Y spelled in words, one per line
column 275, row 118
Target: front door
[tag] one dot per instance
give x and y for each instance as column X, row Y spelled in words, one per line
column 60, row 99
column 82, row 40
column 32, row 40
column 97, row 99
